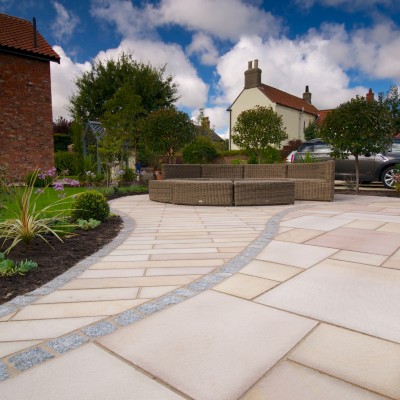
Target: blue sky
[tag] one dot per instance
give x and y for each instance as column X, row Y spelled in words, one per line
column 339, row 48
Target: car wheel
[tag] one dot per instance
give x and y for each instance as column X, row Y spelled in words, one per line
column 388, row 177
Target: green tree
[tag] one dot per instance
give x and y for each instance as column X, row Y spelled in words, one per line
column 120, row 120
column 357, row 127
column 311, row 131
column 97, row 86
column 392, row 101
column 258, row 128
column 166, row 131
column 201, row 151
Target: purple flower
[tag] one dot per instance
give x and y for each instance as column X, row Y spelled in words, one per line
column 58, row 186
column 52, row 172
column 71, row 182
column 41, row 176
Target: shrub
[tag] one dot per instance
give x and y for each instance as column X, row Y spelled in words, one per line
column 66, row 161
column 201, row 151
column 61, row 141
column 128, row 175
column 90, row 204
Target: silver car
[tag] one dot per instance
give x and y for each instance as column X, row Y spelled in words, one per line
column 373, row 167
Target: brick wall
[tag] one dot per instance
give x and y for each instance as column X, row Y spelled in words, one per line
column 26, row 129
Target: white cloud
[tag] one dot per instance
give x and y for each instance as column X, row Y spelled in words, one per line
column 63, row 76
column 65, row 23
column 203, row 46
column 223, row 19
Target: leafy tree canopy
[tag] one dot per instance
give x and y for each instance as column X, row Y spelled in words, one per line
column 167, row 130
column 258, row 128
column 97, row 86
column 392, row 101
column 358, row 127
column 201, row 151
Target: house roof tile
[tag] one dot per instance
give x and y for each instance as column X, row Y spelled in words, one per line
column 288, row 100
column 16, row 35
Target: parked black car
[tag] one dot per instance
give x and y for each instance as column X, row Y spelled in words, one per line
column 373, row 167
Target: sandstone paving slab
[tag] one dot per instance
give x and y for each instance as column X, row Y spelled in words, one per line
column 371, row 217
column 42, row 329
column 212, row 346
column 73, row 310
column 393, row 261
column 365, row 361
column 6, row 317
column 359, row 258
column 361, row 240
column 269, row 270
column 200, row 245
column 316, row 222
column 298, row 235
column 7, row 348
column 156, row 291
column 178, row 271
column 88, row 373
column 157, row 264
column 71, row 296
column 112, row 273
column 291, row 381
column 204, row 249
column 189, row 256
column 370, row 225
column 245, row 286
column 131, row 257
column 130, row 282
column 390, row 227
column 360, row 297
column 294, row 254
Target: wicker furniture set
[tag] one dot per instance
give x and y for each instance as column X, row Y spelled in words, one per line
column 260, row 184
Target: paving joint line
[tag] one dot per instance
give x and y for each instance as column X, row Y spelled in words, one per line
column 19, row 362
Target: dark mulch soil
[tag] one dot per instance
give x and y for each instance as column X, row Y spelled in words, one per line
column 54, row 261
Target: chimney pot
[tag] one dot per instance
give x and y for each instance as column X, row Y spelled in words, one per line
column 250, row 65
column 370, row 95
column 252, row 77
column 34, row 32
column 255, row 63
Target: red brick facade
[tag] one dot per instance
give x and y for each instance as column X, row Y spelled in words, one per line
column 26, row 129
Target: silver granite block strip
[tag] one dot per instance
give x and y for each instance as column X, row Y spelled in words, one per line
column 29, row 358
column 3, row 371
column 67, row 343
column 99, row 329
column 128, row 317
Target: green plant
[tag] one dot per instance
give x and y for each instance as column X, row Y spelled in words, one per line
column 127, row 175
column 87, row 225
column 28, row 221
column 201, row 151
column 9, row 268
column 66, row 161
column 90, row 204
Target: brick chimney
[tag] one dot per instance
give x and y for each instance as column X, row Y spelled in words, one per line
column 252, row 77
column 307, row 95
column 206, row 123
column 370, row 95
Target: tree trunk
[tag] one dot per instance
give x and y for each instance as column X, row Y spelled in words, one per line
column 357, row 174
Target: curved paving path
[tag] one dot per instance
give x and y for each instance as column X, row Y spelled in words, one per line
column 165, row 313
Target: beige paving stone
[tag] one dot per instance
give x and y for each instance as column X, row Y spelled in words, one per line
column 393, row 261
column 200, row 245
column 204, row 256
column 71, row 296
column 7, row 348
column 371, row 217
column 365, row 361
column 7, row 317
column 86, row 373
column 130, row 282
column 360, row 258
column 245, row 286
column 178, row 271
column 218, row 345
column 156, row 291
column 112, row 273
column 269, row 270
column 319, row 223
column 205, row 249
column 131, row 246
column 361, row 240
column 390, row 227
column 229, row 240
column 41, row 329
column 294, row 254
column 73, row 310
column 131, row 257
column 360, row 224
column 356, row 296
column 290, row 381
column 158, row 264
column 298, row 235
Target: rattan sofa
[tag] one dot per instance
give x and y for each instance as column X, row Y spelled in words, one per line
column 313, row 181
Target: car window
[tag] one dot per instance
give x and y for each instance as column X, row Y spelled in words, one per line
column 321, row 148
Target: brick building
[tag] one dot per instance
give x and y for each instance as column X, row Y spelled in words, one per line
column 26, row 128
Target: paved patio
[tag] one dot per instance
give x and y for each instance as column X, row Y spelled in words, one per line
column 276, row 302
